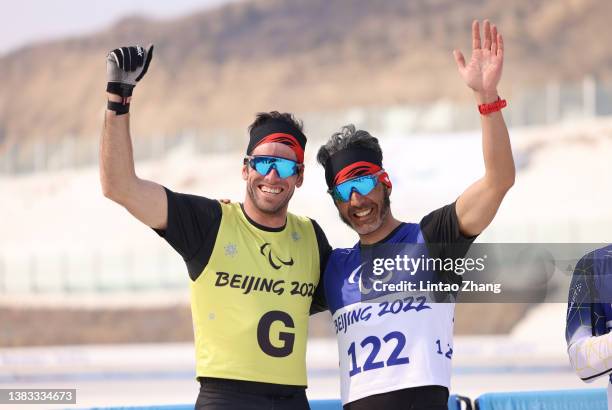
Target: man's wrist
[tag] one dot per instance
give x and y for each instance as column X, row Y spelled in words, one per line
column 119, row 105
column 486, row 97
column 113, row 97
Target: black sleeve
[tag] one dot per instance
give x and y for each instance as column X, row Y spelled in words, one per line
column 193, row 225
column 444, row 239
column 319, row 303
column 441, row 230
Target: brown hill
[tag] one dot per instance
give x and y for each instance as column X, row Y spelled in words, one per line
column 216, row 68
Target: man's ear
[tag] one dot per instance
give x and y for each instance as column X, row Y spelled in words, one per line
column 300, row 177
column 245, row 172
column 387, row 190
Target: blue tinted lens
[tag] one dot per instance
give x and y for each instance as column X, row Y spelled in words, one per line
column 363, row 185
column 284, row 167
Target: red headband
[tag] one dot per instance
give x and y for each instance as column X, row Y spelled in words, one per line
column 356, row 169
column 286, row 139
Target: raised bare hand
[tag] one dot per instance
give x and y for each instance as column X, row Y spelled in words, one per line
column 483, row 72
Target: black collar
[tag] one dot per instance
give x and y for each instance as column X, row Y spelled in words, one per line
column 260, row 226
column 385, row 239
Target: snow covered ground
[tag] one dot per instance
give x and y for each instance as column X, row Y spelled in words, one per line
column 164, row 374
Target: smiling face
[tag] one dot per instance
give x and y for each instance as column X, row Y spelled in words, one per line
column 270, row 194
column 366, row 213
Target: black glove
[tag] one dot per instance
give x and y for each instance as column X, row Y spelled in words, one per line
column 125, row 66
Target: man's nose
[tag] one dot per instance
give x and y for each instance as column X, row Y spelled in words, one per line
column 356, row 198
column 272, row 175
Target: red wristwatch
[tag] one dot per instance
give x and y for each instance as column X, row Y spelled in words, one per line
column 486, row 109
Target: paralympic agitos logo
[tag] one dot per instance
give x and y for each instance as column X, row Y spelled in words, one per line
column 275, row 261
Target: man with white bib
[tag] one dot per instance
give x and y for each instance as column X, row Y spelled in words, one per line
column 396, row 353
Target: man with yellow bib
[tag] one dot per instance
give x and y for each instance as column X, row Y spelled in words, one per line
column 254, row 267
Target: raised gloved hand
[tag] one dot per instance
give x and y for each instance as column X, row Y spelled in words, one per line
column 126, row 66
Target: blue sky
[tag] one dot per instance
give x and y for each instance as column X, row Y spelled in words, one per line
column 26, row 21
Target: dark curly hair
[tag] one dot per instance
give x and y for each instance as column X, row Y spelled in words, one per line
column 347, row 137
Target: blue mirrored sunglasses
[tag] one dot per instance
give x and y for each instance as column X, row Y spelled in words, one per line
column 264, row 164
column 364, row 185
